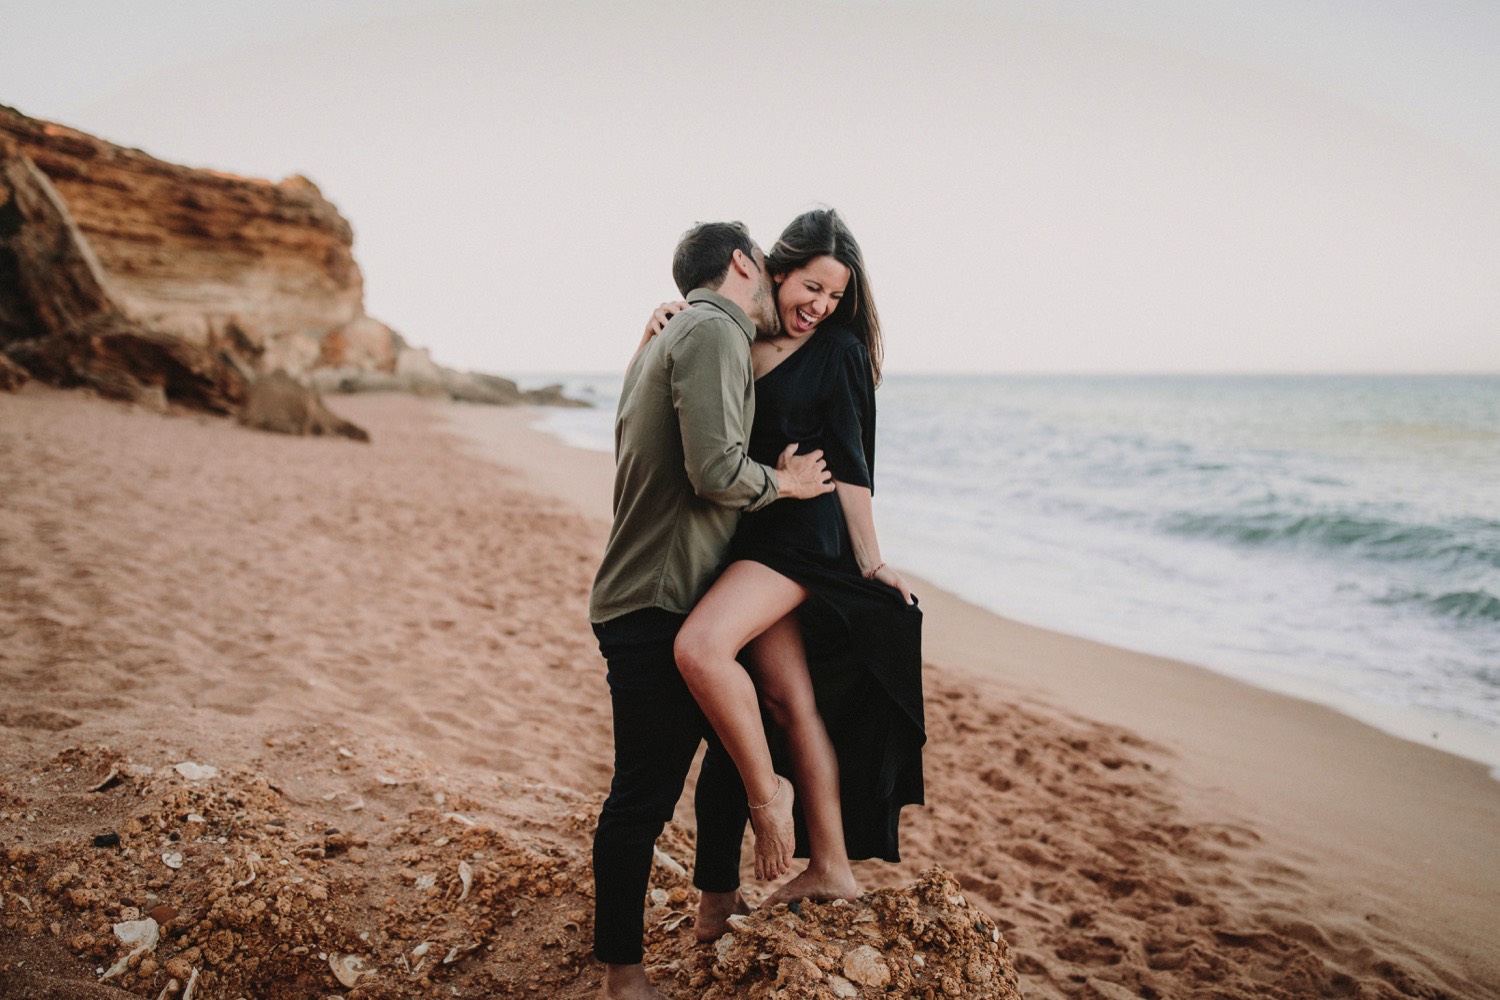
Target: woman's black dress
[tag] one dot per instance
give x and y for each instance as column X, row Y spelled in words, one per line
column 864, row 642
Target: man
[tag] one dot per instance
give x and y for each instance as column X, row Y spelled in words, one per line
column 681, row 478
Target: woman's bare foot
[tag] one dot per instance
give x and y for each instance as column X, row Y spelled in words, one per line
column 818, row 883
column 714, row 911
column 775, row 833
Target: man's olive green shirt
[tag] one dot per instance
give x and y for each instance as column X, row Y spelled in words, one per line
column 682, row 474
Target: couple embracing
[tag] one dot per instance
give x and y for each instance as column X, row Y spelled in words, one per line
column 743, row 574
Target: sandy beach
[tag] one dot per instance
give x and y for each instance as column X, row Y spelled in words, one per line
column 383, row 651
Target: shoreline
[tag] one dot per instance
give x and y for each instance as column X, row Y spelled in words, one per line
column 1428, row 727
column 1363, row 801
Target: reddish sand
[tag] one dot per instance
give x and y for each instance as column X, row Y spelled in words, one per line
column 375, row 636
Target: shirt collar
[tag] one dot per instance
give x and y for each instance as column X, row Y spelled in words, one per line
column 724, row 305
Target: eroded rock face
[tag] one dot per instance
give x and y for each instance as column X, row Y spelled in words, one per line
column 222, row 262
column 121, row 359
column 50, row 280
column 110, row 257
column 156, row 283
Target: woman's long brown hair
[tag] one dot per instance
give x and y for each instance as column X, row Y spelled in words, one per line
column 823, row 233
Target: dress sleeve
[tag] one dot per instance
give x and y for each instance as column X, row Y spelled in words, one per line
column 849, row 419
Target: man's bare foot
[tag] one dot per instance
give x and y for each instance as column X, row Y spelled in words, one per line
column 818, row 883
column 775, row 833
column 714, row 911
column 627, row 982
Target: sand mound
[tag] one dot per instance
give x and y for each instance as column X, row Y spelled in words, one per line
column 257, row 893
column 186, row 880
column 922, row 940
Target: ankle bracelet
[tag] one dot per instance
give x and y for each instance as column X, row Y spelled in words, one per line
column 774, row 796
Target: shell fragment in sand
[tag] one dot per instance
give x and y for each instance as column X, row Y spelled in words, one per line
column 668, row 862
column 466, row 876
column 250, row 860
column 140, row 935
column 348, row 969
column 172, row 860
column 196, row 772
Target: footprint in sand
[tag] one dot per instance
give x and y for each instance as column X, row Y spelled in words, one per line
column 52, row 722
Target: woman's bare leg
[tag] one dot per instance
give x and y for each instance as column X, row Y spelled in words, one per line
column 744, row 602
column 779, row 661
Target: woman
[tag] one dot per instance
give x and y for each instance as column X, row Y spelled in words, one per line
column 807, row 585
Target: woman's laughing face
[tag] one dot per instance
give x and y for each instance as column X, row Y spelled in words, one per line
column 809, row 295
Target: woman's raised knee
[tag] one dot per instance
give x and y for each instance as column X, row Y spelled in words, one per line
column 695, row 652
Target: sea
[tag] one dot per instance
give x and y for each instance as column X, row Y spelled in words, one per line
column 1336, row 538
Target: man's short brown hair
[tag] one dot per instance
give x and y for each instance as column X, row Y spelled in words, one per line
column 703, row 254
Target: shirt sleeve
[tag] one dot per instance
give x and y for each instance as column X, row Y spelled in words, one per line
column 849, row 419
column 710, row 377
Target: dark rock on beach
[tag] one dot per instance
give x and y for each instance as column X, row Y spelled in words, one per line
column 279, row 403
column 12, row 375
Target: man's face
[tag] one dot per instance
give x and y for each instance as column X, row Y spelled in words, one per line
column 763, row 302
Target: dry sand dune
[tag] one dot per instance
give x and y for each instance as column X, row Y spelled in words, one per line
column 375, row 639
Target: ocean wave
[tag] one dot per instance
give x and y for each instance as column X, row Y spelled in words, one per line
column 1463, row 605
column 1468, row 543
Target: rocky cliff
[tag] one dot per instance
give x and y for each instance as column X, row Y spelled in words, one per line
column 156, row 282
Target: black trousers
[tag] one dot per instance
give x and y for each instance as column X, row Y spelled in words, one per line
column 658, row 727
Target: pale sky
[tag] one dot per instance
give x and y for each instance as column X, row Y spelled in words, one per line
column 1068, row 185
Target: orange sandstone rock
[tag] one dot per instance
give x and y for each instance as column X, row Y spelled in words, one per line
column 263, row 270
column 158, row 283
